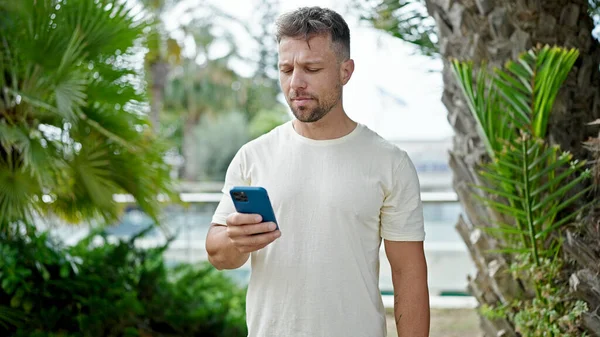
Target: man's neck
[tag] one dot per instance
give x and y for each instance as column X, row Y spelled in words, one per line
column 333, row 125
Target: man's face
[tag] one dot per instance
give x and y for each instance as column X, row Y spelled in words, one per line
column 311, row 78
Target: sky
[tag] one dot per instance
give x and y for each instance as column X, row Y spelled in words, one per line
column 393, row 90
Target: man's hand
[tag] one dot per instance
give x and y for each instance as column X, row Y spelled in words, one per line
column 248, row 234
column 229, row 247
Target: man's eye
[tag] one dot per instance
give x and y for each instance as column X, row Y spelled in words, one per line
column 286, row 71
column 313, row 70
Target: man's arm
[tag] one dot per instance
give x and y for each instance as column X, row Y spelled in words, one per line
column 221, row 252
column 411, row 292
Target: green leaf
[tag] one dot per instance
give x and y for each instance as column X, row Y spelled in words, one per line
column 549, row 168
column 35, row 102
column 64, row 271
column 72, row 54
column 500, row 207
column 45, row 273
column 497, row 177
column 71, row 96
column 15, row 301
column 16, row 191
column 564, row 204
column 464, row 72
column 12, row 138
column 558, row 193
column 6, row 283
column 554, row 67
column 543, row 234
column 545, row 156
column 10, row 317
column 525, row 88
column 108, row 134
column 501, row 230
column 517, row 104
column 508, row 251
column 500, row 161
column 526, row 62
column 28, row 305
column 498, row 192
column 521, row 69
column 405, row 20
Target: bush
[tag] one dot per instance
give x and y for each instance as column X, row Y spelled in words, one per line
column 99, row 288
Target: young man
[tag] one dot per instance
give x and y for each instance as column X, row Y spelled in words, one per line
column 337, row 189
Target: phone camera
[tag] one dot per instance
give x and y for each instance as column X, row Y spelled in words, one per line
column 240, row 196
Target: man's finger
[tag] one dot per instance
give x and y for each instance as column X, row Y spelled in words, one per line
column 250, row 249
column 240, row 219
column 245, row 230
column 257, row 240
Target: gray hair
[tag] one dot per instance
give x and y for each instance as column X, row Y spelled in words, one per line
column 307, row 22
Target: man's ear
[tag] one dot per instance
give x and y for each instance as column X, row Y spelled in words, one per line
column 346, row 70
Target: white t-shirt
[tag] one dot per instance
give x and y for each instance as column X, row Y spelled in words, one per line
column 334, row 201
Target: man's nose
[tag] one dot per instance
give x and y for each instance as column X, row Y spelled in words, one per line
column 297, row 81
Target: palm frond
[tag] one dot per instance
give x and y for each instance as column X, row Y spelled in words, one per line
column 11, row 317
column 17, row 195
column 93, row 173
column 66, row 66
column 526, row 180
column 144, row 182
column 530, row 84
column 405, row 19
column 538, row 198
column 12, row 138
column 483, row 102
column 108, row 25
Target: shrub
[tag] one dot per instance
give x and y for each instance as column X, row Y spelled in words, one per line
column 104, row 288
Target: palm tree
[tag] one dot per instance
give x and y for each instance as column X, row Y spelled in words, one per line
column 163, row 53
column 73, row 125
column 263, row 91
column 202, row 87
column 494, row 32
column 407, row 20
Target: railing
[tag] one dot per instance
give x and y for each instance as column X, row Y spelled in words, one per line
column 439, row 197
column 449, row 261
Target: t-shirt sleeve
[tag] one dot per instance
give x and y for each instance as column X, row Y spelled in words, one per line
column 402, row 211
column 236, row 176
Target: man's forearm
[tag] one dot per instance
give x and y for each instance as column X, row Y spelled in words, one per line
column 411, row 304
column 221, row 252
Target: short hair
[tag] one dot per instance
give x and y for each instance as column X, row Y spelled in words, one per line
column 307, row 22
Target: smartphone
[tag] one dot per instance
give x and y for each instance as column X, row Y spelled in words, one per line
column 253, row 200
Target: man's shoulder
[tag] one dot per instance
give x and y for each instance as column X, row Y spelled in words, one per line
column 383, row 147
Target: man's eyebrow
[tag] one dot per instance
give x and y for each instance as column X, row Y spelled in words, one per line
column 306, row 63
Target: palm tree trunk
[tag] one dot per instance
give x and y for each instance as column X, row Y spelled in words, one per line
column 159, row 70
column 190, row 168
column 495, row 31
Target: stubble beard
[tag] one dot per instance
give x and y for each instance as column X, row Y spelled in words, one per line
column 321, row 110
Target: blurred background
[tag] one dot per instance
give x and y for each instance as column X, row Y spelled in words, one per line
column 118, row 120
column 221, row 90
column 172, row 89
